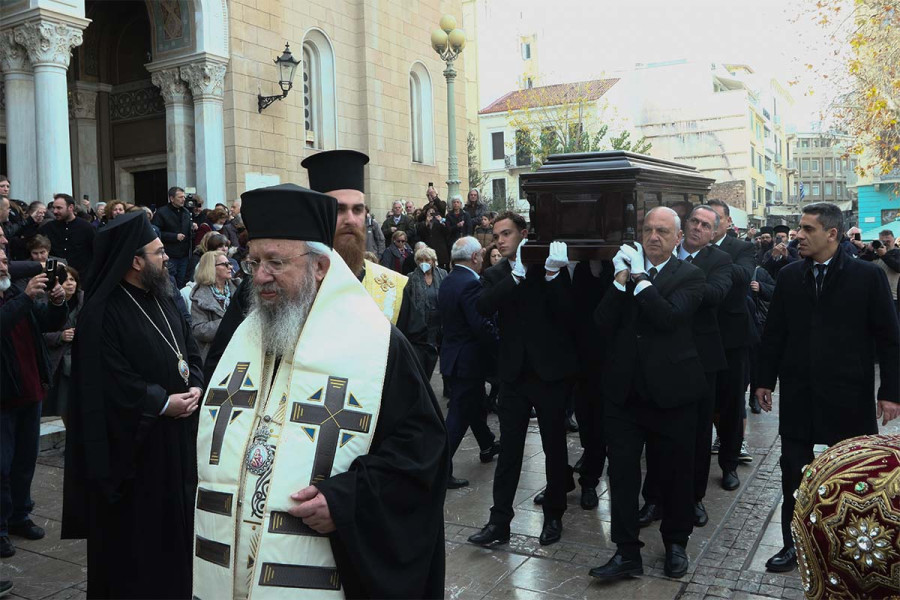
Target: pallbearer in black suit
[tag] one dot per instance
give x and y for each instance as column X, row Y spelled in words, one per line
column 735, row 328
column 829, row 319
column 695, row 248
column 537, row 362
column 652, row 379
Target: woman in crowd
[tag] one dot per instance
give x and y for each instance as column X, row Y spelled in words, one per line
column 433, row 231
column 491, row 257
column 215, row 221
column 59, row 345
column 114, row 208
column 424, row 317
column 458, row 221
column 210, row 297
column 398, row 256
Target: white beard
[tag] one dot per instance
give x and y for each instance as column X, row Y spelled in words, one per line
column 280, row 322
column 4, row 283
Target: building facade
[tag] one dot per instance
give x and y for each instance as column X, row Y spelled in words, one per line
column 121, row 99
column 825, row 171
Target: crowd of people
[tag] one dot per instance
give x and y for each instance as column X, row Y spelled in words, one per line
column 125, row 325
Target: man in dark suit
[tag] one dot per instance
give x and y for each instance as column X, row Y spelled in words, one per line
column 537, row 362
column 469, row 341
column 651, row 379
column 829, row 319
column 695, row 248
column 735, row 328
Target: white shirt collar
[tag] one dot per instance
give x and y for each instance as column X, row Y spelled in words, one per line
column 683, row 254
column 722, row 239
column 469, row 269
column 659, row 267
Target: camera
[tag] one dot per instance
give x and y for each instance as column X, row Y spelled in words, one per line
column 190, row 201
column 876, row 244
column 55, row 273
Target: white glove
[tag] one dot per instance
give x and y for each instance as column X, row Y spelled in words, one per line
column 637, row 261
column 620, row 262
column 558, row 258
column 519, row 270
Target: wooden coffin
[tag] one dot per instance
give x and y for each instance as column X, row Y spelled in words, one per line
column 595, row 201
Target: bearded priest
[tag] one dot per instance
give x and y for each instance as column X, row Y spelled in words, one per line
column 322, row 455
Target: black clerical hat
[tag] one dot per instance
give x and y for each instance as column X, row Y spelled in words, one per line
column 765, row 230
column 289, row 212
column 781, row 229
column 114, row 248
column 336, row 170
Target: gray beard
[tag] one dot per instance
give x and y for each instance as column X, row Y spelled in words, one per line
column 281, row 321
column 156, row 281
column 5, row 282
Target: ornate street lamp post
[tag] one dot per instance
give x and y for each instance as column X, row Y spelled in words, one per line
column 448, row 42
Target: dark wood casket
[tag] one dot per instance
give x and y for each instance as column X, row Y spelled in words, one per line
column 595, row 201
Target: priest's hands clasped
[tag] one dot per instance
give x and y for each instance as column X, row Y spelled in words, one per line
column 313, row 509
column 183, row 404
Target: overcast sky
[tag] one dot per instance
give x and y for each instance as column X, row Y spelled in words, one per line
column 585, row 39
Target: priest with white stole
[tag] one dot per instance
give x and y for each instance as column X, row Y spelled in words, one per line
column 322, row 455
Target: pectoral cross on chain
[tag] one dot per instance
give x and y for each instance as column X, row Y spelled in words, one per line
column 332, row 418
column 228, row 399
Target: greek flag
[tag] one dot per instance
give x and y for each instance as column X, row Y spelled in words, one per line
column 802, row 191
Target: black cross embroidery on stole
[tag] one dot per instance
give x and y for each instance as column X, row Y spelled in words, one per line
column 228, row 399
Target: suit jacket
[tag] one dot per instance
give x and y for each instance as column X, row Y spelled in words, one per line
column 587, row 292
column 535, row 320
column 469, row 345
column 716, row 266
column 823, row 349
column 734, row 318
column 651, row 349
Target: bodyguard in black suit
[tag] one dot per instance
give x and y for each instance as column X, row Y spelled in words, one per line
column 537, row 363
column 735, row 327
column 829, row 319
column 699, row 229
column 469, row 342
column 652, row 378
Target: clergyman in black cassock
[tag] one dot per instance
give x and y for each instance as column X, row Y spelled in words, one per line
column 130, row 474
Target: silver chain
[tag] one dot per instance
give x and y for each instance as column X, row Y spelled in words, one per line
column 174, row 339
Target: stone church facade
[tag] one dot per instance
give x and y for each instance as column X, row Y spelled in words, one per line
column 124, row 98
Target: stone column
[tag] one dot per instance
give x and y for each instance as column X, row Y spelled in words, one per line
column 207, row 82
column 85, row 155
column 49, row 47
column 21, row 149
column 179, row 127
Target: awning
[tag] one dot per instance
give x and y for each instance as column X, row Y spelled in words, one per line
column 872, row 234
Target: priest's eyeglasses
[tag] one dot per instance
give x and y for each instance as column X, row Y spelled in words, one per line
column 272, row 266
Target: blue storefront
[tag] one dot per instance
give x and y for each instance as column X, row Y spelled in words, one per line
column 879, row 205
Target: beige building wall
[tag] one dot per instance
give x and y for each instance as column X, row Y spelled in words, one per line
column 375, row 45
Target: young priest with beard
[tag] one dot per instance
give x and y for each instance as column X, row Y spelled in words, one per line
column 322, row 455
column 131, row 463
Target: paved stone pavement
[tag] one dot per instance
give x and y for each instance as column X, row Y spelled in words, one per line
column 727, row 556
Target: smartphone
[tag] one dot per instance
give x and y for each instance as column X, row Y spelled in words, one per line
column 857, row 237
column 50, row 271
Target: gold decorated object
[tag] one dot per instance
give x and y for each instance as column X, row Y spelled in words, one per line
column 846, row 523
column 384, row 283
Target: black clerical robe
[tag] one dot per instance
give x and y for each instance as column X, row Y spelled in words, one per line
column 389, row 506
column 139, row 519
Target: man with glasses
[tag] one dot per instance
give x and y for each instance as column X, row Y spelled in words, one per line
column 130, row 475
column 322, row 455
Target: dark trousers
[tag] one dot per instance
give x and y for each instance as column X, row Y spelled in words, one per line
column 20, row 434
column 702, row 446
column 589, row 412
column 467, row 409
column 428, row 357
column 730, row 386
column 795, row 454
column 179, row 268
column 669, row 434
column 514, row 409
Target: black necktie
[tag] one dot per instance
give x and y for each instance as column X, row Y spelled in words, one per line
column 652, row 273
column 820, row 278
column 689, row 258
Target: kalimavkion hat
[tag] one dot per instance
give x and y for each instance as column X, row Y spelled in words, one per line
column 289, row 212
column 336, row 170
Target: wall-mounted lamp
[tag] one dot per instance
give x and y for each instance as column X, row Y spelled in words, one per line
column 287, row 66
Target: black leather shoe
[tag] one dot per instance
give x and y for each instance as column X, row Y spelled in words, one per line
column 571, row 425
column 539, row 499
column 589, row 498
column 579, row 464
column 488, row 455
column 6, row 547
column 730, row 481
column 27, row 529
column 649, row 513
column 700, row 516
column 552, row 531
column 784, row 561
column 6, row 587
column 676, row 561
column 491, row 534
column 454, row 484
column 618, row 567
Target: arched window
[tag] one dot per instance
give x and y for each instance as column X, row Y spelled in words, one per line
column 319, row 98
column 421, row 115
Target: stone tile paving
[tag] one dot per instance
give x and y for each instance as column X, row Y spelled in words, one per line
column 727, row 556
